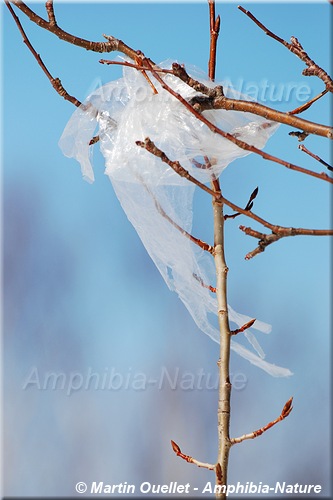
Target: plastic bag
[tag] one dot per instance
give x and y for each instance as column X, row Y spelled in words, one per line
column 156, row 200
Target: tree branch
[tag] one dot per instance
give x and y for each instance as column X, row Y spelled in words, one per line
column 278, row 233
column 50, row 12
column 159, row 208
column 232, row 138
column 296, row 48
column 189, row 459
column 307, row 105
column 305, row 150
column 55, row 82
column 284, row 414
column 175, row 165
column 214, row 34
column 264, row 239
column 112, row 44
column 215, row 99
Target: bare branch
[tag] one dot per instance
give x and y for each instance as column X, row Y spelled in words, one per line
column 296, row 48
column 175, row 165
column 232, row 138
column 215, row 99
column 255, row 108
column 113, row 44
column 189, row 459
column 50, row 12
column 284, row 414
column 307, row 105
column 55, row 82
column 196, row 241
column 214, row 34
column 277, row 233
column 264, row 239
column 305, row 150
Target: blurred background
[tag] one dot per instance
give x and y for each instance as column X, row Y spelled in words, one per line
column 88, row 320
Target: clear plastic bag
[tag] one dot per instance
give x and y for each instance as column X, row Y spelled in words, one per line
column 152, row 194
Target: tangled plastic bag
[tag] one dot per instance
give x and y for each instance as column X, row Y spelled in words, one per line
column 157, row 201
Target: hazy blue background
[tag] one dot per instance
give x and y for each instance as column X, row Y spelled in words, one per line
column 81, row 293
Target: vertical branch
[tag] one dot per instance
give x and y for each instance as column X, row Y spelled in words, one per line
column 214, row 34
column 223, row 412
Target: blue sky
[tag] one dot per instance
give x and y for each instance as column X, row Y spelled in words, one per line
column 81, row 295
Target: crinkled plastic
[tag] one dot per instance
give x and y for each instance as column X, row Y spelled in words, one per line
column 152, row 194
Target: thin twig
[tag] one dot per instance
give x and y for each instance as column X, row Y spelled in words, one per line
column 248, row 207
column 279, row 232
column 203, row 245
column 214, row 23
column 284, row 414
column 296, row 48
column 55, row 82
column 112, row 44
column 189, row 459
column 307, row 105
column 202, row 283
column 316, row 157
column 149, row 145
column 50, row 12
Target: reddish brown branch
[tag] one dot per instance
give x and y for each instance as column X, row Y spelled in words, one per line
column 284, row 414
column 214, row 23
column 112, row 44
column 215, row 99
column 160, row 209
column 55, row 82
column 255, row 108
column 316, row 157
column 296, row 48
column 230, row 137
column 189, row 459
column 277, row 233
column 307, row 105
column 50, row 12
column 264, row 239
column 175, row 165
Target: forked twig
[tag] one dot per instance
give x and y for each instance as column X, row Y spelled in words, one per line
column 278, row 233
column 284, row 414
